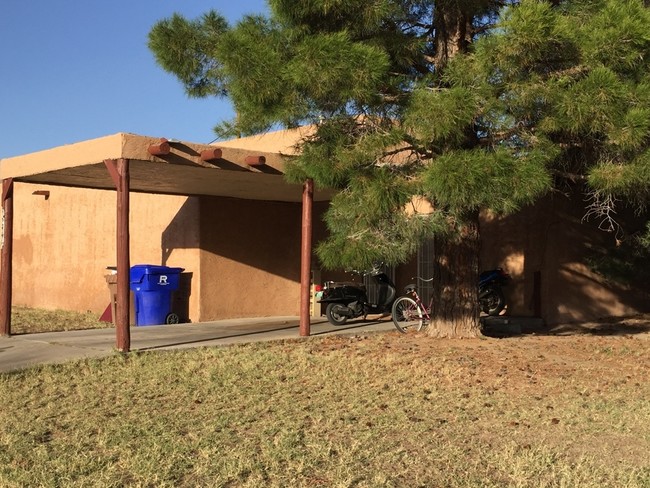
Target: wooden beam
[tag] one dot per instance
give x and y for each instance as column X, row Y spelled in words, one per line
column 111, row 166
column 255, row 160
column 119, row 171
column 305, row 257
column 6, row 242
column 160, row 149
column 211, row 154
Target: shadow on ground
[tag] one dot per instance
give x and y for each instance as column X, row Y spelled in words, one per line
column 506, row 326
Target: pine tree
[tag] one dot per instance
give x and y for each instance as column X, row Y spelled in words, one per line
column 423, row 99
column 556, row 98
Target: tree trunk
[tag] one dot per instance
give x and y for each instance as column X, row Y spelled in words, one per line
column 455, row 309
column 452, row 35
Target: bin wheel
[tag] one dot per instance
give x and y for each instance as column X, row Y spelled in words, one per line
column 172, row 318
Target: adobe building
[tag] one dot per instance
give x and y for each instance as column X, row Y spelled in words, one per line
column 225, row 214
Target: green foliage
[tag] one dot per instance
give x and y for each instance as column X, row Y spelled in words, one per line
column 257, row 81
column 550, row 95
column 577, row 78
column 375, row 231
column 627, row 263
column 629, row 179
column 187, row 49
column 644, row 239
column 529, row 39
column 617, row 36
column 332, row 70
column 499, row 180
column 441, row 117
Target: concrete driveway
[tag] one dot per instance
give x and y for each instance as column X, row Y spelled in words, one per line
column 21, row 351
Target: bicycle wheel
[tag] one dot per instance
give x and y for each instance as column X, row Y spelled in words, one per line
column 407, row 315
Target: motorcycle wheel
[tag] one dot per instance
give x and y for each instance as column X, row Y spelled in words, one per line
column 333, row 314
column 493, row 302
column 407, row 315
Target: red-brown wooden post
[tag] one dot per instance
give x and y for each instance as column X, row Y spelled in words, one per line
column 119, row 171
column 6, row 243
column 305, row 257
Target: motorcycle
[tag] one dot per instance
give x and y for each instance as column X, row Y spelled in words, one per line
column 490, row 295
column 349, row 300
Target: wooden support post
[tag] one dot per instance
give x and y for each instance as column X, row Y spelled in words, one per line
column 6, row 243
column 305, row 257
column 119, row 171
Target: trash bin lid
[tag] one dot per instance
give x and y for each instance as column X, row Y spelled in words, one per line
column 140, row 270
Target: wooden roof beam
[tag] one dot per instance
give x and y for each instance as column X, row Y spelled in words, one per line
column 255, row 160
column 211, row 154
column 160, row 149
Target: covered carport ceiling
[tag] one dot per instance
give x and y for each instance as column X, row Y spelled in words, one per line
column 237, row 173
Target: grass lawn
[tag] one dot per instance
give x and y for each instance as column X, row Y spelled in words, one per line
column 375, row 410
column 29, row 320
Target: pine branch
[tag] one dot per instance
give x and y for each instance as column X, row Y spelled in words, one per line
column 602, row 206
column 573, row 177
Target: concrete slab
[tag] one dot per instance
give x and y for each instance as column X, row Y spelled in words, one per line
column 21, row 351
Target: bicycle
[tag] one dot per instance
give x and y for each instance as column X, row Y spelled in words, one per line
column 409, row 312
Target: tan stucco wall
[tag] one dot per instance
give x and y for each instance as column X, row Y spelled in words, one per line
column 250, row 258
column 279, row 141
column 63, row 244
column 243, row 256
column 552, row 239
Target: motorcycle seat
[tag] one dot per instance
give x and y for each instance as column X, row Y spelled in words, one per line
column 335, row 284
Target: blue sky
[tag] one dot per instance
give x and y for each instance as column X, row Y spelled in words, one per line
column 72, row 70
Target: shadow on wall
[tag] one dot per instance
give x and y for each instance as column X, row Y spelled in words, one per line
column 261, row 235
column 181, row 298
column 183, row 231
column 555, row 279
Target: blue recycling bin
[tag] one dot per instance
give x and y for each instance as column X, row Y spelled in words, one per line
column 152, row 288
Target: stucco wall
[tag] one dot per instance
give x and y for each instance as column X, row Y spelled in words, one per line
column 243, row 256
column 544, row 249
column 250, row 258
column 63, row 244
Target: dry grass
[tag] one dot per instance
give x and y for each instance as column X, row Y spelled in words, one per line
column 366, row 411
column 32, row 320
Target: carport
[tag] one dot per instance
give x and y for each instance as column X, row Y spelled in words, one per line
column 130, row 163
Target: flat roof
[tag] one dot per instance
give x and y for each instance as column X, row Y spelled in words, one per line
column 182, row 171
column 280, row 141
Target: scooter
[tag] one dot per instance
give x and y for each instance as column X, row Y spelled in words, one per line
column 490, row 295
column 349, row 300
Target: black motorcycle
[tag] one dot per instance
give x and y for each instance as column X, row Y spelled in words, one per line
column 348, row 300
column 490, row 295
